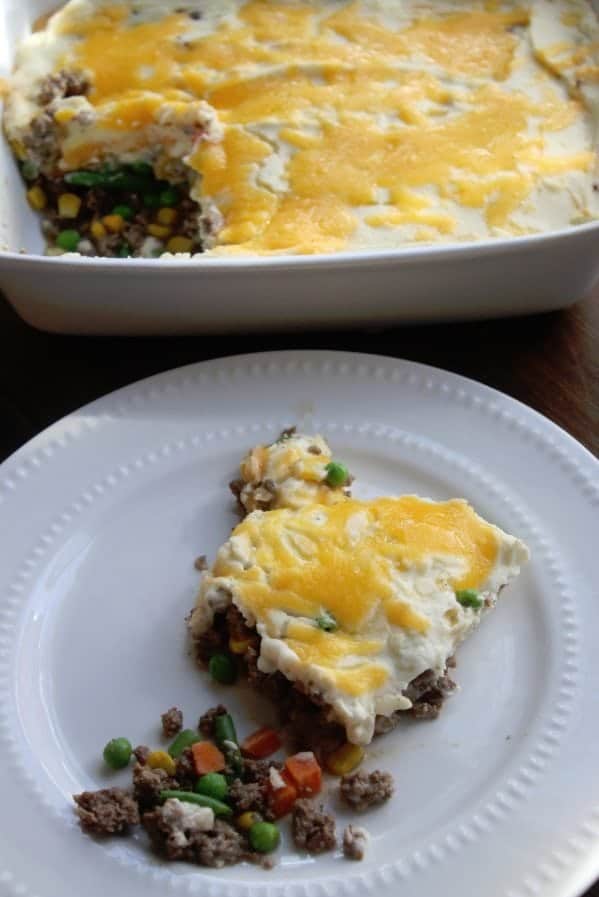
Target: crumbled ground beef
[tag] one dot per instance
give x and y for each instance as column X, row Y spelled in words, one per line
column 248, row 796
column 361, row 790
column 42, row 141
column 109, row 811
column 307, row 717
column 355, row 840
column 431, row 695
column 206, row 723
column 313, row 829
column 213, row 641
column 62, row 84
column 236, row 626
column 219, row 847
column 141, row 753
column 172, row 722
column 134, row 237
column 148, row 783
column 259, row 770
column 185, row 771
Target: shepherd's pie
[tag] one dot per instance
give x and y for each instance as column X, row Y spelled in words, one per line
column 306, row 126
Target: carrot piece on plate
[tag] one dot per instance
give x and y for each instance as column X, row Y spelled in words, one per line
column 207, row 757
column 261, row 744
column 305, row 772
column 281, row 795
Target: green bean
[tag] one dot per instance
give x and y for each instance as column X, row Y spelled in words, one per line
column 112, row 179
column 183, row 740
column 202, row 800
column 224, row 730
column 226, row 738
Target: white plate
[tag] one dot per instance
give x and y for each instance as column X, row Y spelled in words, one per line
column 101, row 518
column 521, row 275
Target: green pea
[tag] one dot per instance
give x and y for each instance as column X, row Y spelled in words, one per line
column 124, row 252
column 469, row 598
column 202, row 800
column 124, row 211
column 29, row 170
column 117, row 753
column 184, row 739
column 264, row 837
column 212, row 784
column 68, row 240
column 337, row 474
column 326, row 621
column 222, row 669
column 169, row 197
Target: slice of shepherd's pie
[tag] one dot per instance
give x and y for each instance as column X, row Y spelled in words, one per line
column 345, row 608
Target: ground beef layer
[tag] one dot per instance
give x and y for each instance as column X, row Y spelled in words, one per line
column 308, row 719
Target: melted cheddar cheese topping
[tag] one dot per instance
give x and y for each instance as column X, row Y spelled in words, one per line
column 386, row 571
column 342, row 559
column 354, row 123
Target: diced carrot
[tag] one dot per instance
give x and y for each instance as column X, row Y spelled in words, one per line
column 207, row 757
column 261, row 744
column 305, row 772
column 281, row 800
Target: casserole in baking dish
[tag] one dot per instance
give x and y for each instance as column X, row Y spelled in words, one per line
column 253, row 133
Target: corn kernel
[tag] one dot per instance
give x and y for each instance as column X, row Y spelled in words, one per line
column 68, row 205
column 166, row 216
column 179, row 244
column 158, row 230
column 161, row 760
column 37, row 198
column 114, row 223
column 64, row 115
column 247, row 820
column 97, row 229
column 344, row 759
column 236, row 646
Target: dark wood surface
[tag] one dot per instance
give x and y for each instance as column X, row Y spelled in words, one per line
column 550, row 362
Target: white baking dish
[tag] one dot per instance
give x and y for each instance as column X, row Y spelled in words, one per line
column 130, row 296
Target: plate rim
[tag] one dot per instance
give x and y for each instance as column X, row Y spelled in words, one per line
column 60, row 430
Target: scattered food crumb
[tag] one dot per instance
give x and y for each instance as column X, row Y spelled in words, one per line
column 172, row 722
column 361, row 790
column 141, row 753
column 355, row 840
column 109, row 811
column 313, row 829
column 201, row 563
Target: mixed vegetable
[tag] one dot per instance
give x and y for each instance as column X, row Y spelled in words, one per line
column 218, row 763
column 129, row 204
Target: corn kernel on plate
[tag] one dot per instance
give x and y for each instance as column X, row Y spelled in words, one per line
column 103, row 516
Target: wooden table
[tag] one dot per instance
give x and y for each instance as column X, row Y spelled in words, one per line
column 550, row 362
